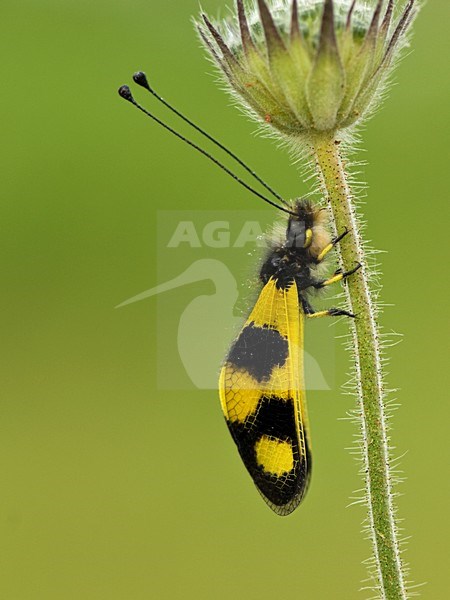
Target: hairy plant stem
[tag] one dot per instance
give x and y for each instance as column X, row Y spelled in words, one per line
column 369, row 377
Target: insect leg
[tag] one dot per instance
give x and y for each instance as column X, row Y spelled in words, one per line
column 331, row 245
column 338, row 276
column 331, row 312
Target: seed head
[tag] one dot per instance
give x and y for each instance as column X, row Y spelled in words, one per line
column 308, row 67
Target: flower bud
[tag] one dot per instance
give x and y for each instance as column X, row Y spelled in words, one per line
column 308, row 67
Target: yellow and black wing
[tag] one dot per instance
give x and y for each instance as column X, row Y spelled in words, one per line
column 263, row 397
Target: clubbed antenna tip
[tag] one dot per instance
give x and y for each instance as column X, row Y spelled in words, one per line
column 125, row 92
column 141, row 79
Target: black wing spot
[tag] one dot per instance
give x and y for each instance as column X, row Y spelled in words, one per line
column 258, row 350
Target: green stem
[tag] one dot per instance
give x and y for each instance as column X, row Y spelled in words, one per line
column 368, row 374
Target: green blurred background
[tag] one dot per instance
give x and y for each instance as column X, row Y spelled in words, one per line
column 112, row 487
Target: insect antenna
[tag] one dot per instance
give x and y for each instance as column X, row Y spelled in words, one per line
column 125, row 92
column 141, row 79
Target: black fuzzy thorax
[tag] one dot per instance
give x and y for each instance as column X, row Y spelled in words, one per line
column 290, row 261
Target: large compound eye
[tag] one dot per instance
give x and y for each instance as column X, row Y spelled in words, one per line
column 296, row 235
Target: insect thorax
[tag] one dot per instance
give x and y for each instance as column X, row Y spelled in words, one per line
column 293, row 256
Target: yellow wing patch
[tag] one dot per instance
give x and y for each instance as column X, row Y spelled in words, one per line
column 241, row 394
column 276, row 308
column 274, row 456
